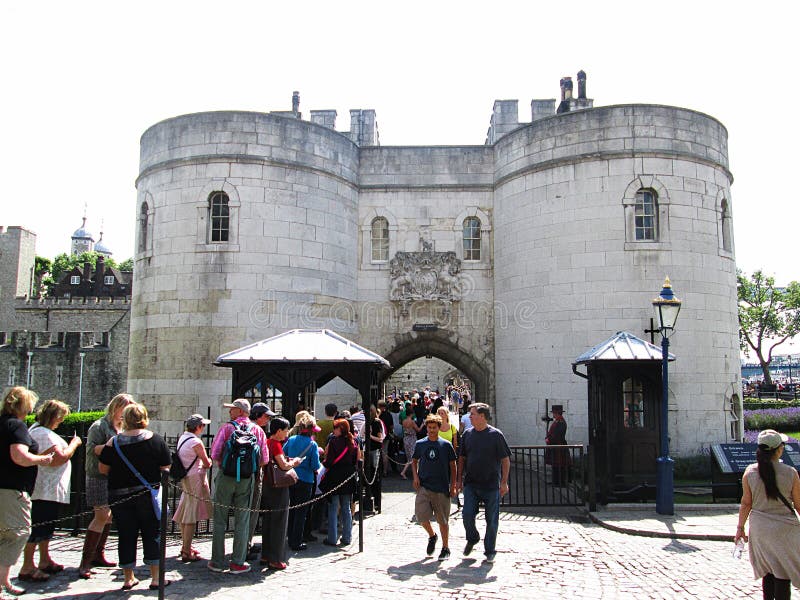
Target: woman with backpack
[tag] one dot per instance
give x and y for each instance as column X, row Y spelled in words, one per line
column 195, row 502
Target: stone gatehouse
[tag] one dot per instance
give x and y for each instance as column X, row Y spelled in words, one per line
column 506, row 260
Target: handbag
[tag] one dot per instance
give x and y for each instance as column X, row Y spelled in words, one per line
column 155, row 493
column 277, row 477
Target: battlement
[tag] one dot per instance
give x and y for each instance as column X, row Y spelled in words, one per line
column 80, row 302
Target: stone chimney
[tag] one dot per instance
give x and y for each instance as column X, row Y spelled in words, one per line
column 364, row 127
column 326, row 118
column 99, row 273
column 542, row 108
column 581, row 85
column 87, row 271
column 505, row 118
column 296, row 103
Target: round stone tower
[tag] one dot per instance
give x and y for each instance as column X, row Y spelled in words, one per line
column 592, row 209
column 246, row 223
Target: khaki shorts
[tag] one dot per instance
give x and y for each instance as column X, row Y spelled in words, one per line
column 429, row 504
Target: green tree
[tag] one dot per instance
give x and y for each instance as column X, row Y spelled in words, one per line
column 41, row 275
column 768, row 316
column 126, row 265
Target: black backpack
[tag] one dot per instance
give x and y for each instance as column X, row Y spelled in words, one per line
column 176, row 470
column 242, row 453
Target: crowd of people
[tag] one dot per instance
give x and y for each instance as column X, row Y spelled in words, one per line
column 262, row 464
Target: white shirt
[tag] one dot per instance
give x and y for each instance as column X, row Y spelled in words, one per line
column 52, row 483
column 466, row 422
column 187, row 453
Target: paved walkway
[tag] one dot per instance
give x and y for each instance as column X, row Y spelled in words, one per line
column 542, row 554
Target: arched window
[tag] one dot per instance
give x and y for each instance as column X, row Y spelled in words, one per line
column 143, row 227
column 380, row 239
column 218, row 217
column 725, row 216
column 646, row 215
column 472, row 238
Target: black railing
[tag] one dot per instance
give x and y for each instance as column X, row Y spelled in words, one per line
column 546, row 476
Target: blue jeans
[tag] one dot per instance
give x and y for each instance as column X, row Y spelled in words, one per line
column 491, row 498
column 335, row 501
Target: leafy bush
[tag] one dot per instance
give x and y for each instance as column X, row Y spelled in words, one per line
column 756, row 404
column 693, row 467
column 75, row 422
column 780, row 419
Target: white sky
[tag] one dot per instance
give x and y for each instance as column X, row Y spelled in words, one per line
column 83, row 80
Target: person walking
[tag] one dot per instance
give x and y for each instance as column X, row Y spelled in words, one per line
column 51, row 491
column 102, row 430
column 434, row 471
column 483, row 466
column 557, row 458
column 134, row 456
column 410, row 431
column 195, row 502
column 232, row 488
column 770, row 499
column 19, row 459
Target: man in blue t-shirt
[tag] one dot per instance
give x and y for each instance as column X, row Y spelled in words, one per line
column 483, row 466
column 434, row 470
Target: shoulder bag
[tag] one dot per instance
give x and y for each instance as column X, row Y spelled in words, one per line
column 322, row 485
column 155, row 493
column 277, row 477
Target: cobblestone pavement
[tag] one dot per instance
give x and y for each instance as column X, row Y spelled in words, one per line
column 542, row 554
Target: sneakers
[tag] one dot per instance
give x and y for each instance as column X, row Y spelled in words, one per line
column 212, row 567
column 238, row 569
column 468, row 548
column 444, row 554
column 490, row 557
column 431, row 544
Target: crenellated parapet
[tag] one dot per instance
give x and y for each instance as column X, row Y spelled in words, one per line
column 83, row 302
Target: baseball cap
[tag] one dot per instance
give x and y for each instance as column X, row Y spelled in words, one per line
column 239, row 403
column 260, row 409
column 772, row 439
column 195, row 421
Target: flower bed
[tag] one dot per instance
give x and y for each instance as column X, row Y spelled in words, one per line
column 780, row 419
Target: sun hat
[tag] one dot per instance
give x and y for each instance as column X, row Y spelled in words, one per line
column 772, row 439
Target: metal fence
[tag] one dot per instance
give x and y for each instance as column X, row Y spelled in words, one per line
column 546, row 476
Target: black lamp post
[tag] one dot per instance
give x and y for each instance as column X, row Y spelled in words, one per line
column 791, row 385
column 667, row 306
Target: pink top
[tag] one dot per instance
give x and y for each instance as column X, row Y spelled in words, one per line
column 225, row 432
column 187, row 443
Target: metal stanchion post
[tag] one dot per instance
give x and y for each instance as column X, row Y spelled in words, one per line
column 162, row 551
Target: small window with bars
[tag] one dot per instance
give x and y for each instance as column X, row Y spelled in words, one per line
column 75, row 280
column 646, row 216
column 472, row 238
column 219, row 217
column 380, row 240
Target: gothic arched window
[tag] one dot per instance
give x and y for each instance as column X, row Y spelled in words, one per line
column 646, row 215
column 380, row 239
column 472, row 238
column 218, row 217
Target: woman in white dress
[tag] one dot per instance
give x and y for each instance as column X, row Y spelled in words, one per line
column 195, row 502
column 770, row 498
column 51, row 491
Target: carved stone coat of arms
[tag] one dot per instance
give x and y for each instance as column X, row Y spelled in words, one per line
column 426, row 275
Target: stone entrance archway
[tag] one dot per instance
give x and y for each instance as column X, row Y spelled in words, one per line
column 440, row 344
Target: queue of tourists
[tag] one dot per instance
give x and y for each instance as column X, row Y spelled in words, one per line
column 262, row 463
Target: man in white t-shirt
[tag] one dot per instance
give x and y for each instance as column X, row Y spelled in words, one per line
column 466, row 424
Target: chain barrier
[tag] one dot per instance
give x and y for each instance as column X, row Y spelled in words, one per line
column 79, row 515
column 263, row 510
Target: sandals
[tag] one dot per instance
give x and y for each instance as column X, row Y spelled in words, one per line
column 154, row 586
column 35, row 575
column 277, row 566
column 188, row 557
column 12, row 589
column 129, row 586
column 52, row 568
